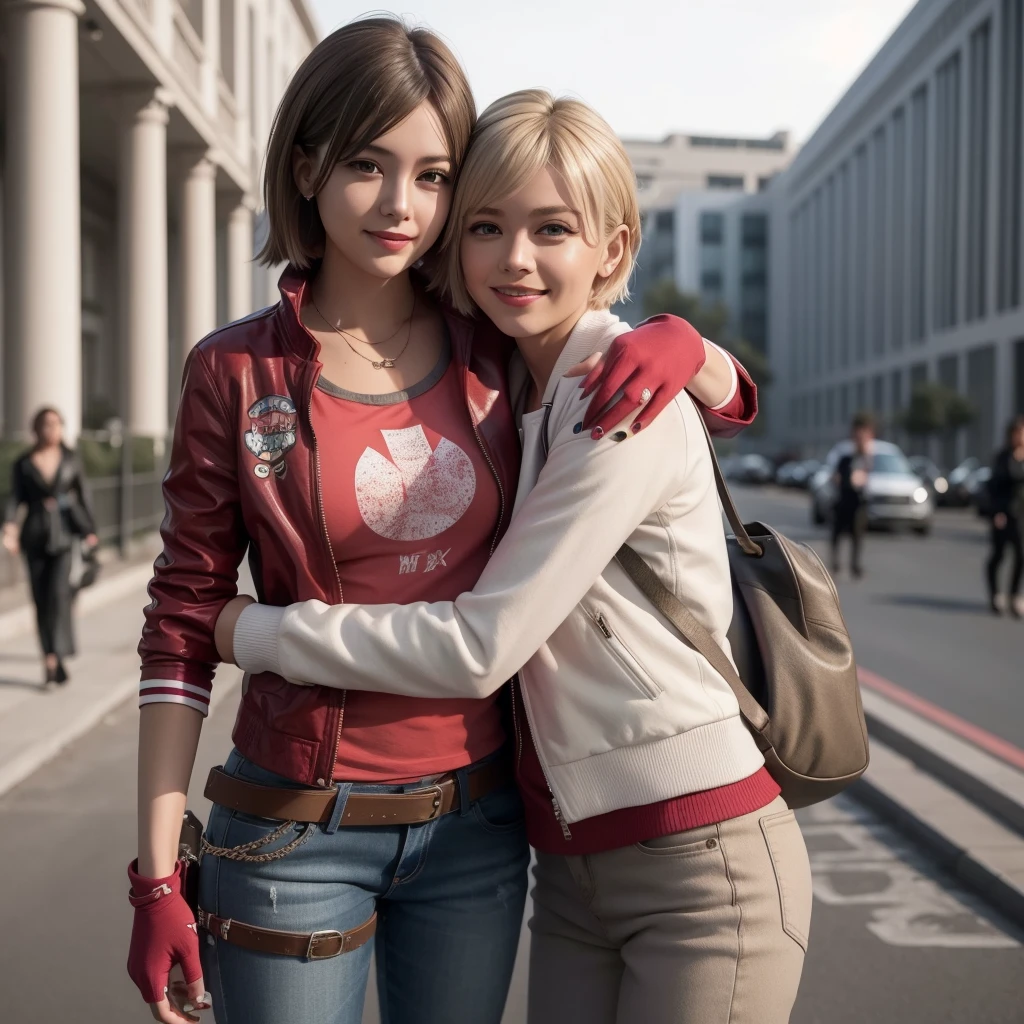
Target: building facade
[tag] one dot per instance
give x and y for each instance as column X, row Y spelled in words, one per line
column 676, row 178
column 134, row 133
column 897, row 235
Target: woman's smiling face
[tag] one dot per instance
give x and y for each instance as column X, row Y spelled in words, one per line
column 527, row 262
column 385, row 207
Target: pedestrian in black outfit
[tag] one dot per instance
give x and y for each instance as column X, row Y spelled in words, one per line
column 850, row 513
column 49, row 480
column 1006, row 488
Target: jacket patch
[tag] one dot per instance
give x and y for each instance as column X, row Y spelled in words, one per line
column 272, row 425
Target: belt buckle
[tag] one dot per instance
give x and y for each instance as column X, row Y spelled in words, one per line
column 310, row 955
column 438, row 792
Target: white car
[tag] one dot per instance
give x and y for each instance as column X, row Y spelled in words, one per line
column 896, row 495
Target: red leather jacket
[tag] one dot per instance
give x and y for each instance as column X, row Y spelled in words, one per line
column 244, row 472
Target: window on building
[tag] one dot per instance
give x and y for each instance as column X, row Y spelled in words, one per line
column 711, row 281
column 729, row 181
column 878, row 394
column 978, row 161
column 918, row 211
column 830, row 243
column 946, row 210
column 712, row 228
column 981, row 390
column 754, row 230
column 861, row 400
column 763, row 181
column 898, row 229
column 1011, row 90
column 843, row 265
column 665, row 222
column 878, row 264
column 861, row 255
column 896, row 401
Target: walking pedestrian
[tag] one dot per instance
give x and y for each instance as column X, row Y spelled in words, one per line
column 850, row 512
column 1006, row 488
column 50, row 481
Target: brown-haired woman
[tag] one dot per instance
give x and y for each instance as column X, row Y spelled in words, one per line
column 357, row 438
column 50, row 481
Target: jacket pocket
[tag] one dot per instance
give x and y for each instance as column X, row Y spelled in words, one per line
column 792, row 873
column 625, row 657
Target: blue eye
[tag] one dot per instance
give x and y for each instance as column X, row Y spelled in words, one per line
column 484, row 229
column 555, row 230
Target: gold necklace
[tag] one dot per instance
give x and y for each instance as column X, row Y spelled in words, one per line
column 387, row 363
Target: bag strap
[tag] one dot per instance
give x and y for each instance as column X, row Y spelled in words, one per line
column 750, row 547
column 692, row 631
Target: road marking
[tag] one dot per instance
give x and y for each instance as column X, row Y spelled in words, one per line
column 856, row 861
column 994, row 745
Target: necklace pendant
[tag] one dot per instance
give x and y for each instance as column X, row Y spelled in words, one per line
column 384, row 364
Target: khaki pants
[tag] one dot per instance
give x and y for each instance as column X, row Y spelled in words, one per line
column 707, row 926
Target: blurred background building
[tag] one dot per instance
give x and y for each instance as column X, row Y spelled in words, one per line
column 679, row 178
column 886, row 253
column 133, row 134
column 897, row 257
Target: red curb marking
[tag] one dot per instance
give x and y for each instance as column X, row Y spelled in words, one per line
column 993, row 745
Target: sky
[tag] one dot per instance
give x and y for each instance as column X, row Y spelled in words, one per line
column 651, row 67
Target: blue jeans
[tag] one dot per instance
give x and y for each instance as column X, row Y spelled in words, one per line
column 449, row 896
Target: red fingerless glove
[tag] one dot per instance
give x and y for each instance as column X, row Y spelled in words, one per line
column 164, row 933
column 650, row 366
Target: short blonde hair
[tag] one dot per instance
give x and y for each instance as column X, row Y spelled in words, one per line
column 515, row 138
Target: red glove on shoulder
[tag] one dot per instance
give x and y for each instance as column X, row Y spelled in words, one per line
column 660, row 356
column 164, row 933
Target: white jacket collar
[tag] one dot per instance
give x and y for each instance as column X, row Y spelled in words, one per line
column 587, row 337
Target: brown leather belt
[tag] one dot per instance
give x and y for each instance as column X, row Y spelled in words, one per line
column 317, row 805
column 312, row 946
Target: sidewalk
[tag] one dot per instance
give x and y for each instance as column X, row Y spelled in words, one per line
column 36, row 723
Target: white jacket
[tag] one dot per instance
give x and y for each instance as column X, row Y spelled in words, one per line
column 623, row 712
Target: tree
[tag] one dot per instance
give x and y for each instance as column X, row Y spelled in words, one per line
column 711, row 320
column 935, row 409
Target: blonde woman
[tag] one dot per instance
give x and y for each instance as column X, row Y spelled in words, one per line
column 672, row 880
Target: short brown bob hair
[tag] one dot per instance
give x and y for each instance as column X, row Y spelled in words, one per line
column 355, row 85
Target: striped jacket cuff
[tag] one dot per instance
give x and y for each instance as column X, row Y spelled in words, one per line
column 171, row 691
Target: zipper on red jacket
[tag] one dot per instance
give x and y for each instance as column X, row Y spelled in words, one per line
column 318, row 494
column 487, row 459
column 515, row 722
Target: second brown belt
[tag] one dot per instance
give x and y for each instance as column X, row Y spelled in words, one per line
column 317, row 805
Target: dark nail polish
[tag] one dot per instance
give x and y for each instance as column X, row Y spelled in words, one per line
column 597, row 433
column 578, row 427
column 637, row 427
column 619, row 435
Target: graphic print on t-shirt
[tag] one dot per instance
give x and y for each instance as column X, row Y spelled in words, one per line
column 420, row 492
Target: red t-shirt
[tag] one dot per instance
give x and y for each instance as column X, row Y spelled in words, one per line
column 628, row 825
column 411, row 508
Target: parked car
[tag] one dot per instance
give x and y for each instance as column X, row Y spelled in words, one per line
column 959, row 494
column 980, row 492
column 785, row 475
column 806, row 472
column 932, row 476
column 749, row 469
column 895, row 495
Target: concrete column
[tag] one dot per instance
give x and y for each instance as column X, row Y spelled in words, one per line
column 210, row 67
column 143, row 249
column 42, row 216
column 239, row 246
column 198, row 249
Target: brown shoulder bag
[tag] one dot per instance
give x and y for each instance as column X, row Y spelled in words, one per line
column 797, row 682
